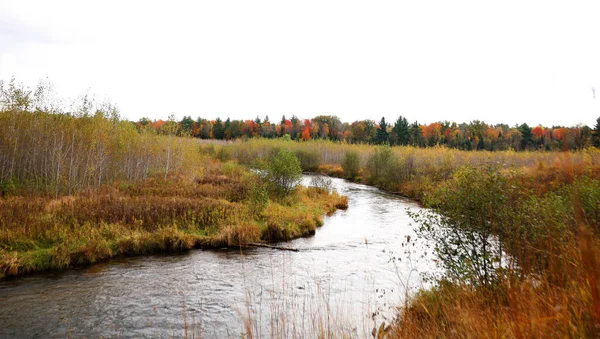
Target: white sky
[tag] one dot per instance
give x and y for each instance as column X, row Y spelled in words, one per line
column 501, row 61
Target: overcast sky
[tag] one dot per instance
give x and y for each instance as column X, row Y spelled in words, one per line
column 501, row 61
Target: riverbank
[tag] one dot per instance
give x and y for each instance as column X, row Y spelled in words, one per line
column 214, row 208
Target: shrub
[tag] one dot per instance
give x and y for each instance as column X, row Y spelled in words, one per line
column 465, row 217
column 284, row 172
column 351, row 164
column 384, row 169
column 224, row 154
column 309, row 159
column 258, row 199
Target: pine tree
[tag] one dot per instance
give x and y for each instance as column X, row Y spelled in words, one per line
column 400, row 132
column 218, row 130
column 382, row 134
column 416, row 135
column 527, row 136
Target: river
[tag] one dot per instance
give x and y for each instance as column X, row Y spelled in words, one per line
column 350, row 276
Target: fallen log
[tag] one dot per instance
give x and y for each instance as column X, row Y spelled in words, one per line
column 281, row 248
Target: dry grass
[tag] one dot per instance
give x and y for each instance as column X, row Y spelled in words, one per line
column 554, row 290
column 561, row 301
column 206, row 209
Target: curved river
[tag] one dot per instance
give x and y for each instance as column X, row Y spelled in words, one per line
column 346, row 279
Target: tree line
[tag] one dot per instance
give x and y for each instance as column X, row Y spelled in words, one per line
column 475, row 135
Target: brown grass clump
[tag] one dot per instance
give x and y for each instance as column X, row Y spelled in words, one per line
column 331, row 170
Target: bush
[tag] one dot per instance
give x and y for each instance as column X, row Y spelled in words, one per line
column 224, row 154
column 258, row 199
column 284, row 172
column 309, row 159
column 464, row 221
column 351, row 164
column 385, row 170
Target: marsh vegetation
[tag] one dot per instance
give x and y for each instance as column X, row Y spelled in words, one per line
column 516, row 233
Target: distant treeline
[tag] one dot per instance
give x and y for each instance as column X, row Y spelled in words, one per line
column 475, row 135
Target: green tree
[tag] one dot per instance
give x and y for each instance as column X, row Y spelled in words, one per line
column 416, row 135
column 400, row 132
column 218, row 129
column 186, row 125
column 284, row 172
column 227, row 132
column 526, row 136
column 596, row 134
column 382, row 134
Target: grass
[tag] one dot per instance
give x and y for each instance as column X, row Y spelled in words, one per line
column 206, row 209
column 561, row 301
column 411, row 171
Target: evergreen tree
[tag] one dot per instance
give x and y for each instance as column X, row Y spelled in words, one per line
column 295, row 120
column 526, row 136
column 227, row 129
column 218, row 130
column 416, row 135
column 400, row 132
column 596, row 134
column 382, row 134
